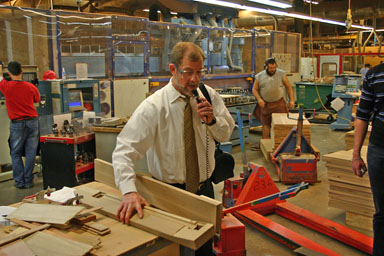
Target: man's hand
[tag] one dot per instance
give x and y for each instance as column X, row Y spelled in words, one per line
column 291, row 104
column 205, row 110
column 261, row 103
column 130, row 203
column 358, row 165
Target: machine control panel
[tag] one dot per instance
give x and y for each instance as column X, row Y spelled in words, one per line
column 343, row 84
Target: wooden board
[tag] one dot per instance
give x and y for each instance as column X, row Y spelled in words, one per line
column 46, row 244
column 174, row 228
column 16, row 248
column 359, row 221
column 349, row 139
column 103, row 172
column 266, row 147
column 45, row 213
column 180, row 202
column 167, row 197
column 13, row 237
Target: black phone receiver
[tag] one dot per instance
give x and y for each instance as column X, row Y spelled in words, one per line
column 196, row 95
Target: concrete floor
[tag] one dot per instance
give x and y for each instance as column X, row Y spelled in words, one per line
column 314, row 199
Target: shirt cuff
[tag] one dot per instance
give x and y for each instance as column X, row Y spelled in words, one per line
column 127, row 187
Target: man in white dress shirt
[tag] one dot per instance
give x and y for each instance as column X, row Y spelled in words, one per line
column 156, row 129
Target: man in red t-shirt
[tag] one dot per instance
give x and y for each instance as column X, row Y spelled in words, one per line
column 24, row 129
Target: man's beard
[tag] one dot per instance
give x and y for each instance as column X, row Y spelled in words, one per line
column 184, row 90
column 270, row 73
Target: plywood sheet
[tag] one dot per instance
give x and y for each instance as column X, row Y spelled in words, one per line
column 45, row 213
column 16, row 248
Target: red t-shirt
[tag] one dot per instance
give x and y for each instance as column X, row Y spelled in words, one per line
column 19, row 98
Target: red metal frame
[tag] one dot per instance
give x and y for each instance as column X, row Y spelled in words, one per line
column 67, row 140
column 260, row 184
column 341, row 59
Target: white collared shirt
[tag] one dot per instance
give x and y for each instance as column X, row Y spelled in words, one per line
column 156, row 129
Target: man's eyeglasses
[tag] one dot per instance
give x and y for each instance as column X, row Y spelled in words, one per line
column 186, row 74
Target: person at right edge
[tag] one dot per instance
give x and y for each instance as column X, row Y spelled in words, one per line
column 269, row 92
column 371, row 107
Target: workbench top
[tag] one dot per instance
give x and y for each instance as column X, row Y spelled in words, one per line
column 105, row 129
column 123, row 239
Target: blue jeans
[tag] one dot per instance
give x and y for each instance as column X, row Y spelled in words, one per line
column 23, row 139
column 375, row 159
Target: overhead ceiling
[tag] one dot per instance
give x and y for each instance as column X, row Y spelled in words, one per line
column 369, row 13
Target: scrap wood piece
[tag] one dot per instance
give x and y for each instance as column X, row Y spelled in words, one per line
column 84, row 218
column 96, row 232
column 96, row 228
column 16, row 248
column 156, row 221
column 45, row 244
column 11, row 238
column 45, row 213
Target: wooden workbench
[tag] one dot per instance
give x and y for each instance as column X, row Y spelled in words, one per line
column 127, row 239
column 123, row 239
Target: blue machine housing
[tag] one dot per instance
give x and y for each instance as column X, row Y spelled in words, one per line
column 56, row 93
column 342, row 85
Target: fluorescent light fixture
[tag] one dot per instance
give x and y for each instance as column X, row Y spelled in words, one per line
column 272, row 3
column 366, row 31
column 310, row 1
column 278, row 13
column 223, row 3
column 147, row 10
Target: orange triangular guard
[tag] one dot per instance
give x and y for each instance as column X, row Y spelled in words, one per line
column 258, row 185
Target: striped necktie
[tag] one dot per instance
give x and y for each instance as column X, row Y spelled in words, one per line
column 192, row 178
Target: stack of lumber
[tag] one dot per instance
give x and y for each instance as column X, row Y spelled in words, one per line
column 349, row 139
column 348, row 191
column 281, row 126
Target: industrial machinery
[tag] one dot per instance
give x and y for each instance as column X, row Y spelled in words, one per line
column 343, row 88
column 295, row 158
column 63, row 96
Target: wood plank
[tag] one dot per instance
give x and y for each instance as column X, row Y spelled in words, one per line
column 11, row 238
column 103, row 172
column 349, row 138
column 359, row 221
column 46, row 244
column 164, row 225
column 266, row 147
column 347, row 206
column 180, row 202
column 45, row 213
column 169, row 198
column 16, row 248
